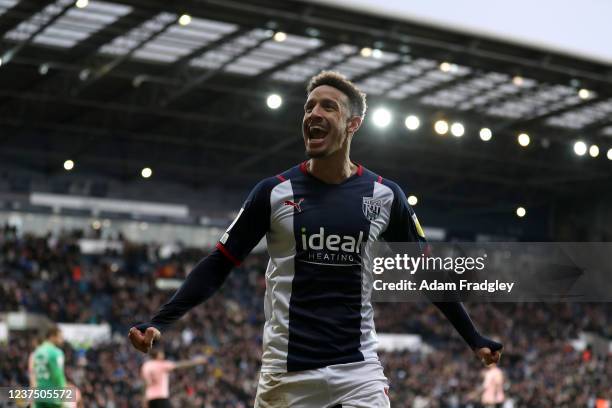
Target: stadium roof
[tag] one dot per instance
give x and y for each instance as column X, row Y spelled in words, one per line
column 119, row 85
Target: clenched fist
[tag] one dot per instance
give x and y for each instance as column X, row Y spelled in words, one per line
column 144, row 341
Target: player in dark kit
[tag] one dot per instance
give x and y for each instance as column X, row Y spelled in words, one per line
column 320, row 219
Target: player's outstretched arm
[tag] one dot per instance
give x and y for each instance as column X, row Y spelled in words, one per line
column 405, row 227
column 190, row 363
column 487, row 350
column 249, row 226
column 201, row 283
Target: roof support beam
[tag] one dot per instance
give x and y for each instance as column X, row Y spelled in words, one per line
column 22, row 11
column 13, row 52
column 195, row 82
column 105, row 69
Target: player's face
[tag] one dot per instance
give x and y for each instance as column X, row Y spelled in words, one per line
column 325, row 126
column 59, row 339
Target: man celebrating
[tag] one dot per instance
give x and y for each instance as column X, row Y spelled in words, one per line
column 319, row 218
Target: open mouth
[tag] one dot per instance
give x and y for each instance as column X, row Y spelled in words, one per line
column 316, row 133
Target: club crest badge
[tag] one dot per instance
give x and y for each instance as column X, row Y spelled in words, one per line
column 371, row 207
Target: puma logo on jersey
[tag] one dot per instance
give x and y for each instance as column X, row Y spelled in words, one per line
column 297, row 205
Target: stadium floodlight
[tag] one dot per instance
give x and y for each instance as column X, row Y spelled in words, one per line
column 446, row 66
column 441, row 127
column 584, row 93
column 366, row 52
column 517, row 80
column 274, row 101
column 279, row 36
column 84, row 74
column 184, row 20
column 376, row 53
column 521, row 212
column 82, row 3
column 381, row 117
column 43, row 69
column 457, row 129
column 594, row 151
column 146, row 172
column 609, row 154
column 412, row 122
column 96, row 224
column 486, row 134
column 580, row 148
column 524, row 139
column 68, row 165
column 413, row 200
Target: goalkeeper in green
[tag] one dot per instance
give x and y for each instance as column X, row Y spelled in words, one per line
column 48, row 366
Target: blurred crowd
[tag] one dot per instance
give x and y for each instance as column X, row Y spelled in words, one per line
column 50, row 275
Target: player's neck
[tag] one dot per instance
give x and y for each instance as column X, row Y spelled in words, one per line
column 332, row 170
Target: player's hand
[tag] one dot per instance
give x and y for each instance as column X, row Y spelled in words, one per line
column 144, row 342
column 487, row 356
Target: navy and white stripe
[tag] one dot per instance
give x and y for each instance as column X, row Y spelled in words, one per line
column 317, row 302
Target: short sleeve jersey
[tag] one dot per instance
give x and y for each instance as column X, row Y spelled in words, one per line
column 156, row 374
column 48, row 366
column 493, row 386
column 317, row 303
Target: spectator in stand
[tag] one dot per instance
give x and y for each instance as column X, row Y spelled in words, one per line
column 540, row 364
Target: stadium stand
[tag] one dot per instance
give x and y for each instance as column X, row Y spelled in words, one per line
column 49, row 275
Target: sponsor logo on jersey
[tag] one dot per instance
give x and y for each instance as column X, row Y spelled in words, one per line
column 333, row 249
column 371, row 207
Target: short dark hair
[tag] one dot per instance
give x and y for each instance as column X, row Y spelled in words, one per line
column 53, row 331
column 357, row 99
